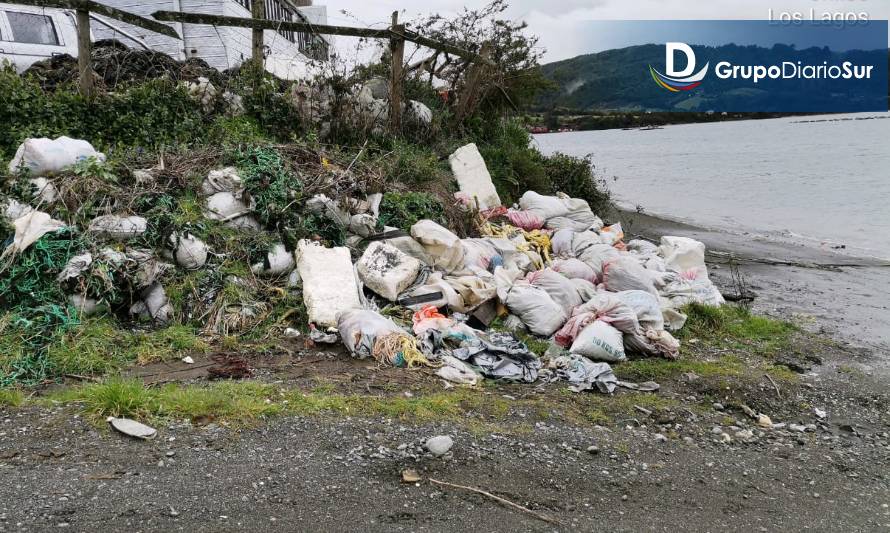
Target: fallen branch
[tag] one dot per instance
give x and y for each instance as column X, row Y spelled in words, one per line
column 504, row 501
column 778, row 392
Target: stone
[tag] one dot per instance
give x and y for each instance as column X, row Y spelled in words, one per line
column 472, row 177
column 764, row 421
column 593, row 450
column 717, row 406
column 439, row 445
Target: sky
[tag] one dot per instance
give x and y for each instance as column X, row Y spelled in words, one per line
column 561, row 25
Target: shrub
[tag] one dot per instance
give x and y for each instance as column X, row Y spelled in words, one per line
column 403, row 210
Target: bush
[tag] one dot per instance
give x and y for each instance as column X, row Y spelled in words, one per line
column 403, row 210
column 574, row 176
column 150, row 114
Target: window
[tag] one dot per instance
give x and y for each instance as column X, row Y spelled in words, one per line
column 32, row 28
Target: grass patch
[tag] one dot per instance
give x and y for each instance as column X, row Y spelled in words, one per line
column 99, row 347
column 11, row 398
column 736, row 324
column 655, row 369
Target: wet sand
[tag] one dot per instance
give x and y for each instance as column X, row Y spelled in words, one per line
column 821, row 290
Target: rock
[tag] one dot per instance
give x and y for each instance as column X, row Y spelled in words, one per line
column 439, row 445
column 593, row 450
column 725, row 438
column 409, row 475
column 660, row 438
column 188, row 360
column 717, row 406
column 797, row 427
column 472, row 177
column 716, row 430
column 132, row 428
column 764, row 421
column 820, row 413
column 745, row 434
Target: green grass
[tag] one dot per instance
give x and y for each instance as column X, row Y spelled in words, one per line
column 655, row 369
column 98, row 346
column 734, row 324
column 11, row 398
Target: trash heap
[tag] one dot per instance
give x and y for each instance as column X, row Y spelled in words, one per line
column 546, row 267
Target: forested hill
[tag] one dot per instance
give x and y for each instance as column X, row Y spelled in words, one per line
column 620, row 80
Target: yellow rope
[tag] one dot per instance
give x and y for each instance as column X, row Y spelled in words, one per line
column 398, row 349
column 537, row 240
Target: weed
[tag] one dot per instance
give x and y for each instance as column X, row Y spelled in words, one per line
column 11, row 398
column 403, row 210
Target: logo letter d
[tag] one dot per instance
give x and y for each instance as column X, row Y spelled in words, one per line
column 669, row 52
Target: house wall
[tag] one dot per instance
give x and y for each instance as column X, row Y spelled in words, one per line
column 221, row 47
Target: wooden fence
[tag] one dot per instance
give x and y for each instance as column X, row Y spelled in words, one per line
column 397, row 34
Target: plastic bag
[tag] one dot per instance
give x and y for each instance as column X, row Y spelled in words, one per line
column 611, row 234
column 548, row 207
column 525, row 220
column 626, row 274
column 601, row 342
column 45, row 157
column 360, row 328
column 189, row 251
column 478, row 253
column 386, row 270
column 456, row 371
column 442, row 246
column 639, row 246
column 574, row 269
column 536, row 309
column 683, row 291
column 278, row 261
column 30, row 228
column 222, row 180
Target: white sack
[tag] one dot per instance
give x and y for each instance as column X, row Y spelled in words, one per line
column 442, row 246
column 559, row 287
column 278, row 261
column 682, row 254
column 30, row 228
column 359, row 329
column 118, row 228
column 601, row 342
column 189, row 251
column 645, row 305
column 222, row 180
column 45, row 157
column 626, row 274
column 536, row 309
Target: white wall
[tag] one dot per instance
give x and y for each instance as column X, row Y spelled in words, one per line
column 221, row 47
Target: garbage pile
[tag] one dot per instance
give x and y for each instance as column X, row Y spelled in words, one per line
column 546, row 267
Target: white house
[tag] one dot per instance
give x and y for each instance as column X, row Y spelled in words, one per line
column 287, row 53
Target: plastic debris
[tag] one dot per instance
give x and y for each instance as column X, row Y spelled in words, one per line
column 329, row 282
column 31, row 227
column 118, row 228
column 386, row 270
column 473, row 178
column 46, row 157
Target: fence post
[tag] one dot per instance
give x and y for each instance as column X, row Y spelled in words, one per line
column 397, row 50
column 257, row 11
column 84, row 53
column 467, row 98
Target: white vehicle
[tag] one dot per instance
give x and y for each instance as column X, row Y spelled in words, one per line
column 31, row 34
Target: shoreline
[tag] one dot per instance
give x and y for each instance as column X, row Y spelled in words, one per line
column 824, row 291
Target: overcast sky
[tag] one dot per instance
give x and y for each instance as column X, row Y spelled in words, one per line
column 559, row 23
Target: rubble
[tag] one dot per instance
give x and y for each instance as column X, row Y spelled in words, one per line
column 548, row 267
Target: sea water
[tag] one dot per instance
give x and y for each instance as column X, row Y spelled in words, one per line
column 822, row 180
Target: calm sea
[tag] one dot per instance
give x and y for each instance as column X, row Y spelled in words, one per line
column 822, row 180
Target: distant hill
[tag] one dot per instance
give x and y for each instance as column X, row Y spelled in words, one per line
column 619, row 80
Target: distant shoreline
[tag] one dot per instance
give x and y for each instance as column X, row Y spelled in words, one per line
column 553, row 122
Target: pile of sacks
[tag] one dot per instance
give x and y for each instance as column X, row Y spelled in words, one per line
column 547, row 266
